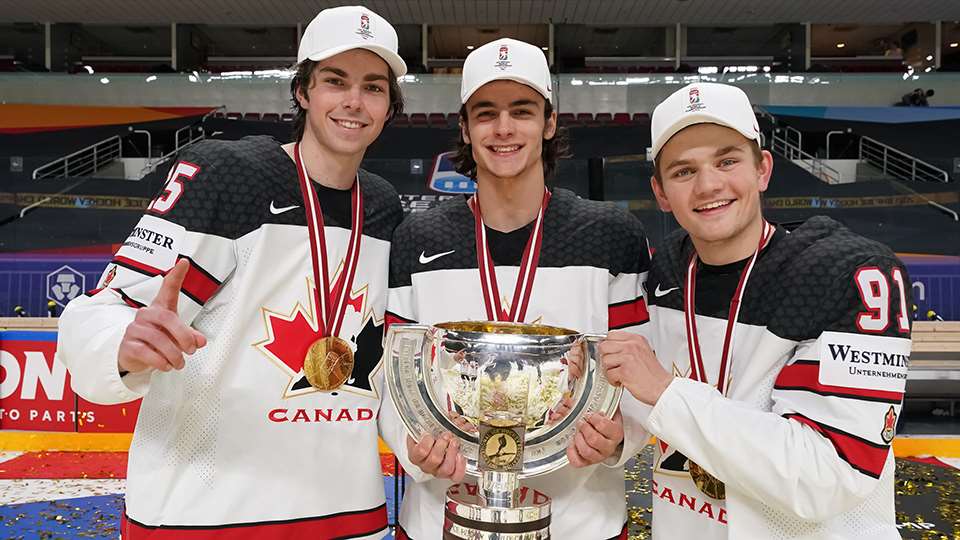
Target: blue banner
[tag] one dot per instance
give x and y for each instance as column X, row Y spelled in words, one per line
column 31, row 281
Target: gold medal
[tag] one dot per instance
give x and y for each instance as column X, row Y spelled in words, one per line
column 708, row 484
column 329, row 363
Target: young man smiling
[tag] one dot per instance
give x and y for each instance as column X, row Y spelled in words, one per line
column 254, row 334
column 778, row 359
column 545, row 255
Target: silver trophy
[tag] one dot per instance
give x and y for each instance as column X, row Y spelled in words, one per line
column 513, row 394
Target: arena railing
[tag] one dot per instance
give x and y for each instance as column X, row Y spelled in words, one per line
column 786, row 142
column 899, row 164
column 83, row 162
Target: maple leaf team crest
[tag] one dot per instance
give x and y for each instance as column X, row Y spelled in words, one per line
column 290, row 335
column 109, row 277
column 889, row 425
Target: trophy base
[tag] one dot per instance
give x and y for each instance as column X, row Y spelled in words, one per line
column 467, row 518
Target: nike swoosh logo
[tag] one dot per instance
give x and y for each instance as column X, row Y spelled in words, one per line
column 424, row 259
column 658, row 292
column 276, row 211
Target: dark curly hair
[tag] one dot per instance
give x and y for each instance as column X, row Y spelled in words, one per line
column 303, row 78
column 553, row 149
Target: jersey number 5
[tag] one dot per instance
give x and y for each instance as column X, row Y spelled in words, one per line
column 874, row 288
column 173, row 189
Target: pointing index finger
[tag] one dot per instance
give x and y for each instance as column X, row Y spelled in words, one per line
column 169, row 293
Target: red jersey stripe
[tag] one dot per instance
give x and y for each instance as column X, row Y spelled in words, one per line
column 805, row 376
column 343, row 525
column 864, row 456
column 199, row 284
column 629, row 313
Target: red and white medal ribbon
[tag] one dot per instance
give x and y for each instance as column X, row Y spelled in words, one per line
column 330, row 300
column 528, row 267
column 697, row 370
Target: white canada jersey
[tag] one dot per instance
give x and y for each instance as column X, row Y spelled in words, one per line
column 592, row 264
column 238, row 442
column 819, row 362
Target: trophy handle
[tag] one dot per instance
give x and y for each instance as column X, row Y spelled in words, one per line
column 594, row 338
column 593, row 342
column 403, row 358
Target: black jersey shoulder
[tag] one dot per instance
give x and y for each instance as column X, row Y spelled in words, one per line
column 581, row 232
column 668, row 270
column 240, row 185
column 576, row 232
column 807, row 284
column 228, row 194
column 446, row 228
column 381, row 206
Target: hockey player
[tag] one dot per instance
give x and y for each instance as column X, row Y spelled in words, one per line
column 778, row 359
column 257, row 355
column 545, row 256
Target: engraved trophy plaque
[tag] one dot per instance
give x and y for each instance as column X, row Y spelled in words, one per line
column 513, row 394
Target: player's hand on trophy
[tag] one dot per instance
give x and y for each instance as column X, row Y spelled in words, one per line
column 575, row 361
column 597, row 439
column 438, row 456
column 461, row 422
column 561, row 410
column 632, row 364
column 157, row 338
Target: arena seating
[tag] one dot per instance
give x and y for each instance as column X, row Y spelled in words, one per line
column 441, row 120
column 418, row 120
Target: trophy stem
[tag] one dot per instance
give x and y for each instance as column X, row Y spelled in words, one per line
column 500, row 489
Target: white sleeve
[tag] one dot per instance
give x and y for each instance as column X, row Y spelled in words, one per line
column 628, row 311
column 825, row 443
column 93, row 324
column 790, row 466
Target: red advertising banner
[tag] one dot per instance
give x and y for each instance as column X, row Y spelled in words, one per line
column 35, row 392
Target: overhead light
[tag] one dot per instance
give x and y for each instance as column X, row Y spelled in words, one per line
column 929, row 57
column 545, row 48
column 955, row 45
column 928, row 70
column 89, row 69
column 841, row 45
column 469, row 47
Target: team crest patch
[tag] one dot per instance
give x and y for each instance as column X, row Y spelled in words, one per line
column 364, row 29
column 695, row 101
column 503, row 60
column 109, row 277
column 889, row 425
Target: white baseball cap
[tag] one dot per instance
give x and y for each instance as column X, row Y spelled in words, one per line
column 506, row 59
column 703, row 103
column 340, row 29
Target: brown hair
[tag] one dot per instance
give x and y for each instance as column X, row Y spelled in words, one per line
column 553, row 149
column 303, row 79
column 754, row 148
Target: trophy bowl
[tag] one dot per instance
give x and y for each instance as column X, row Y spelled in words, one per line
column 512, row 393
